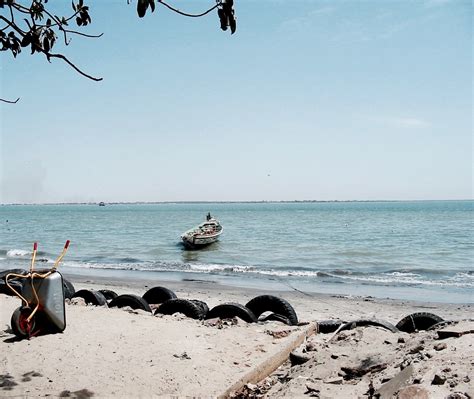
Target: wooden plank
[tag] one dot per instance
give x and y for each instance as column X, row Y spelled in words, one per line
column 269, row 365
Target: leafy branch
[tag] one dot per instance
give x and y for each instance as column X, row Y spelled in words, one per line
column 35, row 27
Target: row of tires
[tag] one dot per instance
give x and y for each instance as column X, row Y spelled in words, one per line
column 165, row 301
column 261, row 308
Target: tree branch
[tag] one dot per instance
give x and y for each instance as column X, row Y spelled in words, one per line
column 9, row 101
column 186, row 14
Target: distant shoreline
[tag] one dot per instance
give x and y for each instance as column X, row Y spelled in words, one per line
column 233, row 202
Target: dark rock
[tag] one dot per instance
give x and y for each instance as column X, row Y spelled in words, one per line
column 438, row 380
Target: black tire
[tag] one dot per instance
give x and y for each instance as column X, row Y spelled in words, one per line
column 264, row 303
column 18, row 322
column 203, row 306
column 231, row 309
column 275, row 317
column 418, row 321
column 329, row 326
column 4, row 273
column 184, row 306
column 91, row 297
column 69, row 289
column 109, row 294
column 134, row 301
column 5, row 289
column 157, row 295
column 367, row 323
column 442, row 324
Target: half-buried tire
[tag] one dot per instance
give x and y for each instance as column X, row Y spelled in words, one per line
column 368, row 323
column 184, row 306
column 231, row 309
column 91, row 297
column 418, row 321
column 157, row 295
column 5, row 289
column 329, row 326
column 69, row 289
column 265, row 303
column 109, row 294
column 203, row 306
column 134, row 301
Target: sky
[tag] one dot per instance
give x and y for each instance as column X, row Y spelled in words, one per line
column 308, row 100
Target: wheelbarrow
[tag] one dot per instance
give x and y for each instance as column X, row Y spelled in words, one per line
column 42, row 310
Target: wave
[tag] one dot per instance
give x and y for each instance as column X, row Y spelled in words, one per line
column 464, row 279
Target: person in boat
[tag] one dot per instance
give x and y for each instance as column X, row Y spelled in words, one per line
column 208, row 217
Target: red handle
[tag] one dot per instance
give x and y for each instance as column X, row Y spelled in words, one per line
column 66, row 246
column 35, row 246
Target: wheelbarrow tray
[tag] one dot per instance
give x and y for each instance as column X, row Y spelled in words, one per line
column 50, row 291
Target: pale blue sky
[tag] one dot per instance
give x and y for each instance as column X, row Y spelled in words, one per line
column 325, row 100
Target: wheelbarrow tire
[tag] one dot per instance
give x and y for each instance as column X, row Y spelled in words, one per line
column 18, row 322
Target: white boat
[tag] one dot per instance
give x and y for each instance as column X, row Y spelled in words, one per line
column 206, row 233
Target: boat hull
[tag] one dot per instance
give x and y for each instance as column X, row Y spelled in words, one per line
column 199, row 242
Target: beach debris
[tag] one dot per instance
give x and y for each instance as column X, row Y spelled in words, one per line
column 158, row 295
column 78, row 301
column 334, row 380
column 366, row 366
column 91, row 297
column 298, row 356
column 232, row 309
column 216, row 322
column 184, row 306
column 462, row 328
column 440, row 346
column 418, row 321
column 389, row 388
column 438, row 379
column 458, row 395
column 7, row 382
column 278, row 334
column 413, row 392
column 27, row 376
column 270, row 303
column 312, row 390
column 131, row 300
column 183, row 356
column 81, row 394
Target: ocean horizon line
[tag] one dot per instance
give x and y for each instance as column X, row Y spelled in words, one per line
column 230, row 202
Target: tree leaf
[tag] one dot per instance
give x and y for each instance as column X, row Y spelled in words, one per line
column 142, row 6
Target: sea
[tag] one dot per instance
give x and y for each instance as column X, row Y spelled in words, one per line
column 414, row 250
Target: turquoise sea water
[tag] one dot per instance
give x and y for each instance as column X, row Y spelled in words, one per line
column 411, row 250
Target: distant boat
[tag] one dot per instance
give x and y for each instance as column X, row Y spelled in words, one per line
column 206, row 233
column 101, row 203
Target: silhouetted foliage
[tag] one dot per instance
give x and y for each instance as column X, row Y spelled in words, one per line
column 32, row 24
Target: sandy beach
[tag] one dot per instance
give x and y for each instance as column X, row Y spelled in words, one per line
column 118, row 353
